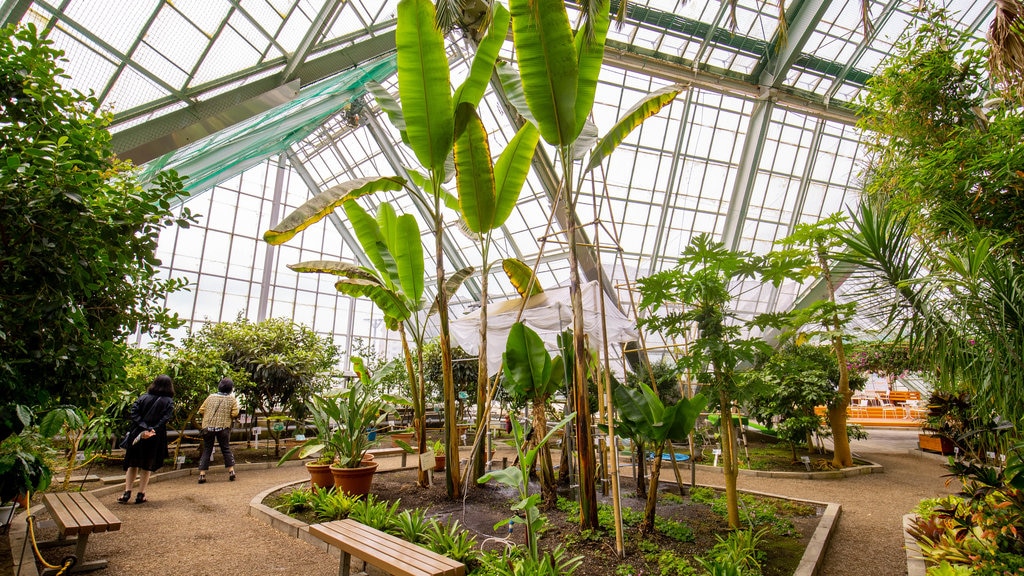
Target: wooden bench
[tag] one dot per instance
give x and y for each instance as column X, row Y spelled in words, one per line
column 387, row 552
column 79, row 514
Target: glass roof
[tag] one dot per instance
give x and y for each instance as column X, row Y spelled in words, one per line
column 761, row 139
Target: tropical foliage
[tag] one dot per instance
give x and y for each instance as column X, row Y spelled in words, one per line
column 78, row 274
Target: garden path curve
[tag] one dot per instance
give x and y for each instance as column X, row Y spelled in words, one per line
column 188, row 529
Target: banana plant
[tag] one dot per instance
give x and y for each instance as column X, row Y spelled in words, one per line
column 644, row 415
column 425, row 114
column 395, row 284
column 487, row 194
column 559, row 69
column 531, row 373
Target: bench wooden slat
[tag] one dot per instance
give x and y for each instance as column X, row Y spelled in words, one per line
column 385, row 551
column 80, row 513
column 398, row 549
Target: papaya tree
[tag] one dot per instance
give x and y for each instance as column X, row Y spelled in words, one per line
column 531, row 373
column 559, row 68
column 700, row 285
column 818, row 242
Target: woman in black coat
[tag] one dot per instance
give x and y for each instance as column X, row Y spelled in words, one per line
column 146, row 443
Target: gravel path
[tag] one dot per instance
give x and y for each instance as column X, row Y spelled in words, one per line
column 193, row 530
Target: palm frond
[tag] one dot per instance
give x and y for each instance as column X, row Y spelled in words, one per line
column 1006, row 44
column 448, row 14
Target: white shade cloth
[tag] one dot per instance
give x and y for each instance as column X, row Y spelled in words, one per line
column 548, row 314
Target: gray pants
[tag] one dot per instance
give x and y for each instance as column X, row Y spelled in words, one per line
column 223, row 438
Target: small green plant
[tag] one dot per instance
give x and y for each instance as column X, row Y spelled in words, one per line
column 329, row 505
column 672, row 497
column 625, row 570
column 702, row 495
column 452, row 541
column 517, row 477
column 375, row 513
column 673, row 529
column 438, row 448
column 737, row 550
column 412, row 525
column 671, row 564
column 947, row 569
column 297, row 500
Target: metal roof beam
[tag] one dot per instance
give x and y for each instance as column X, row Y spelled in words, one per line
column 676, row 70
column 775, row 64
column 750, row 159
column 316, row 29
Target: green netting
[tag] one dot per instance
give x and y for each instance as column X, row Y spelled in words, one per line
column 230, row 151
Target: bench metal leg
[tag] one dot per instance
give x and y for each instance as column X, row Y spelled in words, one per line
column 346, row 561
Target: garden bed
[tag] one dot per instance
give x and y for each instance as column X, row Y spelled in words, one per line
column 687, row 526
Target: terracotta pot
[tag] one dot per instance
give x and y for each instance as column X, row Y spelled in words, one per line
column 354, row 481
column 320, row 475
column 367, row 458
column 439, row 462
column 407, row 437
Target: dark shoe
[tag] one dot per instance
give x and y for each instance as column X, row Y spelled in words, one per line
column 140, row 498
column 202, row 478
column 231, row 476
column 125, row 497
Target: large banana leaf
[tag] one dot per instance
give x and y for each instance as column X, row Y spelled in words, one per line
column 635, row 116
column 424, row 87
column 374, row 243
column 590, row 54
column 319, row 206
column 472, row 89
column 408, row 251
column 548, row 66
column 451, row 285
column 359, row 282
column 389, row 302
column 527, row 364
column 336, row 267
column 390, row 106
column 520, row 275
column 512, row 86
column 510, row 172
column 643, row 412
column 473, row 170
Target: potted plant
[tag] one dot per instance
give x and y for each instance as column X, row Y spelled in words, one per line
column 359, row 412
column 325, row 411
column 945, row 422
column 439, row 456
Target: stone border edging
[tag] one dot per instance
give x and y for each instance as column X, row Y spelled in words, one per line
column 809, row 565
column 869, row 468
column 915, row 558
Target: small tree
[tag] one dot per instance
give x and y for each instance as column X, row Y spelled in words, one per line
column 701, row 283
column 78, row 233
column 283, row 361
column 789, row 384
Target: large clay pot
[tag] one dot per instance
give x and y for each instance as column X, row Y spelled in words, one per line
column 320, row 475
column 439, row 462
column 354, row 481
column 407, row 437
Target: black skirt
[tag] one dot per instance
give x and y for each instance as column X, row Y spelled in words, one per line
column 148, row 454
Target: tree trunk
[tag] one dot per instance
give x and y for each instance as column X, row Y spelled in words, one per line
column 842, row 457
column 641, row 469
column 584, row 438
column 415, row 397
column 479, row 464
column 647, row 524
column 548, row 482
column 451, row 475
column 730, row 465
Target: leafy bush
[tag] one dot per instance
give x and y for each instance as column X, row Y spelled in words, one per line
column 375, row 513
column 452, row 541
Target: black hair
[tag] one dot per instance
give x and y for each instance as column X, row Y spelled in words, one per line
column 161, row 386
column 225, row 386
